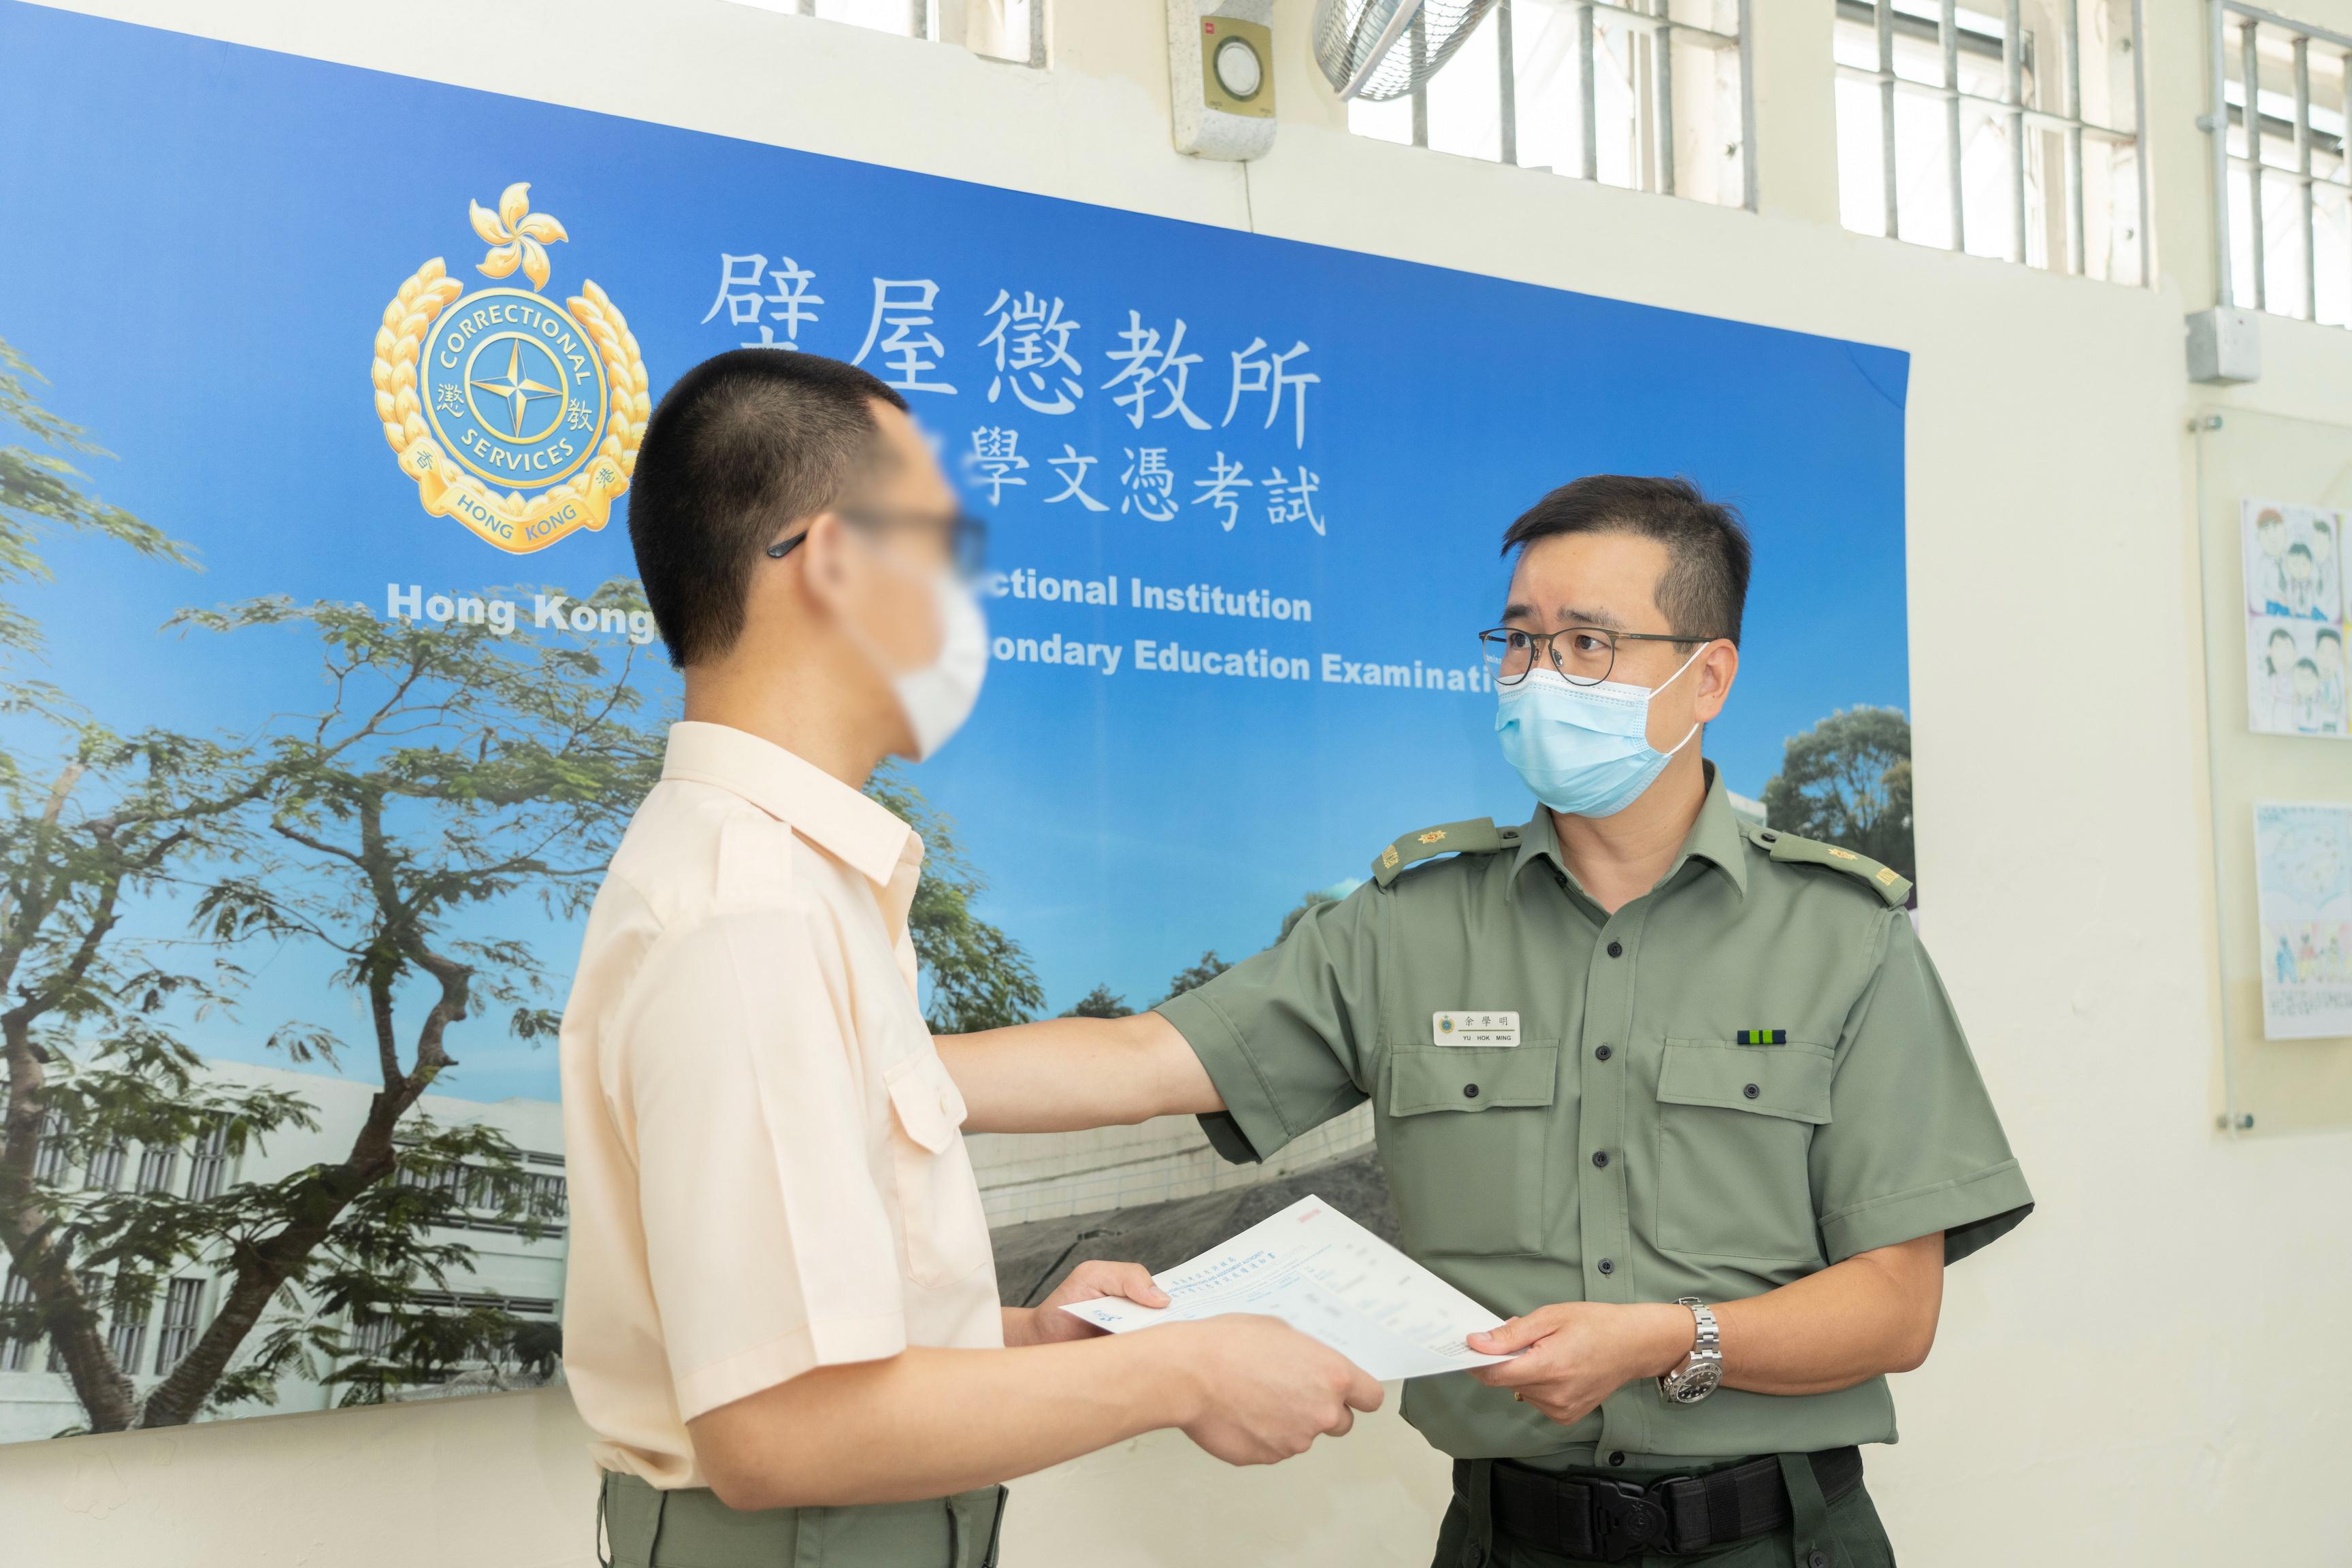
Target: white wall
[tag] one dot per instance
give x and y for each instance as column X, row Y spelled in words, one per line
column 2143, row 1374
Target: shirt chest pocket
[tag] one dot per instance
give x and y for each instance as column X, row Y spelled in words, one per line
column 1735, row 1139
column 1464, row 1136
column 945, row 1229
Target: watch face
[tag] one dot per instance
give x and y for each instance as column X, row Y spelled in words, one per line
column 1698, row 1382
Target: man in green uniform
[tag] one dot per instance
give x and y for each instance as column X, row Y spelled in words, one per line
column 1682, row 1094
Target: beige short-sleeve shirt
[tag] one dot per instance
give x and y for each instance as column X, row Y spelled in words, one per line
column 765, row 1157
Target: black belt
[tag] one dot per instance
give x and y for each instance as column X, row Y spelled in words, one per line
column 1604, row 1521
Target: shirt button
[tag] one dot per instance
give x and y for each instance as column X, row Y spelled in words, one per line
column 1818, row 1560
column 1752, row 1092
column 1607, row 1266
column 1601, row 1054
column 1601, row 1158
column 1616, row 949
column 1469, row 1091
column 1617, row 1457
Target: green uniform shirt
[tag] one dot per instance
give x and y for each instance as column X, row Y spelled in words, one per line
column 1742, row 1077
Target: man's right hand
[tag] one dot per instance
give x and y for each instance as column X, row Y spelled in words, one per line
column 1266, row 1391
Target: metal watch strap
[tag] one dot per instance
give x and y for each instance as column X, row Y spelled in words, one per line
column 1701, row 1370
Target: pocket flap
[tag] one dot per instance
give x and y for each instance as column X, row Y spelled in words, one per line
column 1791, row 1080
column 1471, row 1078
column 928, row 1105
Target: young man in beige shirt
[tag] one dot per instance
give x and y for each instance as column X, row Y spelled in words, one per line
column 782, row 1320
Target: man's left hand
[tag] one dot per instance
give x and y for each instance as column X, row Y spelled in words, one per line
column 1047, row 1324
column 1576, row 1353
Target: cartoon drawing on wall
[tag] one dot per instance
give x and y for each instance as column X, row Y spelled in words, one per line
column 292, row 852
column 2294, row 561
column 2295, row 677
column 2296, row 627
column 2302, row 869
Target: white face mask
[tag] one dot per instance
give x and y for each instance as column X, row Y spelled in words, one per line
column 937, row 698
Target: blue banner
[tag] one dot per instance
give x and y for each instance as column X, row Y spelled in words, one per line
column 355, row 338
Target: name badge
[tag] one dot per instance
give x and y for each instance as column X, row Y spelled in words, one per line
column 1475, row 1028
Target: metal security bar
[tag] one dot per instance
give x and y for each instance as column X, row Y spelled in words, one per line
column 2264, row 46
column 1014, row 31
column 2031, row 98
column 1658, row 117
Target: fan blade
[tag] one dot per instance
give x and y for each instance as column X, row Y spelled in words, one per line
column 1399, row 20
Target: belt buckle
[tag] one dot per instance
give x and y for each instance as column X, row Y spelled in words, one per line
column 1625, row 1520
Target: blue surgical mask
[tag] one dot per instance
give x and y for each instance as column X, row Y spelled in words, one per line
column 1583, row 750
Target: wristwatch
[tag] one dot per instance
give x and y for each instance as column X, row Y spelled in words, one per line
column 1701, row 1371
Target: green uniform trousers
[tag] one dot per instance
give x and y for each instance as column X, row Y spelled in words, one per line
column 646, row 1527
column 1841, row 1534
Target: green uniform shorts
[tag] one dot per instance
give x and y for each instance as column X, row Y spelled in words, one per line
column 646, row 1527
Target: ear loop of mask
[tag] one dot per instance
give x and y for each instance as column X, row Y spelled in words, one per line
column 1669, row 681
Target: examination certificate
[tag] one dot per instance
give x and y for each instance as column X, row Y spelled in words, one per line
column 1329, row 1278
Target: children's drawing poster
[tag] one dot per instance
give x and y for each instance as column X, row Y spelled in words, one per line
column 2303, row 870
column 2296, row 625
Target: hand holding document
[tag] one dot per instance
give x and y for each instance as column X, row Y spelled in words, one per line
column 1331, row 1280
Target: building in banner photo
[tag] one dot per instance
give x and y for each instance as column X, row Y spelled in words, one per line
column 507, row 1263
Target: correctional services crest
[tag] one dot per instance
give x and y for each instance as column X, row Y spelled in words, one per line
column 519, row 419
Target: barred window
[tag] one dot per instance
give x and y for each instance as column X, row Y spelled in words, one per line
column 126, row 1335
column 49, row 1164
column 549, row 1199
column 1649, row 95
column 1011, row 30
column 93, row 1292
column 105, row 1173
column 158, row 1164
column 2283, row 209
column 183, row 1302
column 2009, row 129
column 373, row 1332
column 208, row 1162
column 497, row 1201
column 15, row 1355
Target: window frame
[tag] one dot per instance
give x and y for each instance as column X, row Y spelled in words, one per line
column 2250, row 122
column 1654, row 121
column 2017, row 115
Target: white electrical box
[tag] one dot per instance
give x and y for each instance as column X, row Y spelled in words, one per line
column 2225, row 345
column 1221, row 77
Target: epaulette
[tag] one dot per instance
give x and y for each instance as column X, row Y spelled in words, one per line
column 1786, row 848
column 1479, row 835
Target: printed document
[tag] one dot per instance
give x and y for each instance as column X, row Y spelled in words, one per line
column 1330, row 1278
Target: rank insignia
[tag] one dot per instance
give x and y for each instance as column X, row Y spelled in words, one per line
column 1433, row 836
column 520, row 418
column 1843, row 854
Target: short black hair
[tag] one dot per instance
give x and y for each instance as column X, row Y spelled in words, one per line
column 1705, row 590
column 742, row 444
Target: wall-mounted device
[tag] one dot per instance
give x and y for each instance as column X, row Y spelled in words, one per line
column 2225, row 346
column 1221, row 77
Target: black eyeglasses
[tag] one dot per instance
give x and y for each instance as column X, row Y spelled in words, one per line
column 966, row 535
column 1583, row 655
